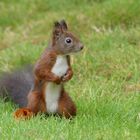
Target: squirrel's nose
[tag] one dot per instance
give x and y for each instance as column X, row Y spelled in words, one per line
column 81, row 47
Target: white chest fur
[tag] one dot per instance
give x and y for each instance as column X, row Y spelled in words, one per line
column 53, row 90
column 60, row 66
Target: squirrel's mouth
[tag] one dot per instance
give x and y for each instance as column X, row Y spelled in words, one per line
column 78, row 50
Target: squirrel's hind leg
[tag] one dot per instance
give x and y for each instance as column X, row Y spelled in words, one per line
column 66, row 107
column 35, row 104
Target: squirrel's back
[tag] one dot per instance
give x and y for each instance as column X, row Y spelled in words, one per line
column 16, row 85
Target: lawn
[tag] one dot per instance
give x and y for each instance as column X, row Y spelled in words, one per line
column 106, row 81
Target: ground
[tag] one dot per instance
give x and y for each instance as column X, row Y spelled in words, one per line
column 106, row 82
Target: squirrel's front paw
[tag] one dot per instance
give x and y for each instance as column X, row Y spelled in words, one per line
column 58, row 80
column 67, row 76
column 23, row 113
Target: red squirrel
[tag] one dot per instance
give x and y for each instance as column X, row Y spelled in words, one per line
column 51, row 71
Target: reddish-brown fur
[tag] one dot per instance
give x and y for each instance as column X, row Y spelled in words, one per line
column 67, row 107
column 42, row 75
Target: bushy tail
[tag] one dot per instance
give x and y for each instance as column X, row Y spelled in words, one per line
column 16, row 85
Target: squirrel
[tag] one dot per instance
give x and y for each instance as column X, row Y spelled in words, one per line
column 44, row 87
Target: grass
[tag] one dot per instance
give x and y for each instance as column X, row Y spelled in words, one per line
column 106, row 82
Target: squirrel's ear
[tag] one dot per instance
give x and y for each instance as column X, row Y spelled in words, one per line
column 64, row 25
column 57, row 30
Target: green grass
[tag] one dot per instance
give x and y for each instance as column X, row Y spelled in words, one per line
column 106, row 82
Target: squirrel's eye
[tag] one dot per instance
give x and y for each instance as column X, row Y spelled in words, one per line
column 68, row 40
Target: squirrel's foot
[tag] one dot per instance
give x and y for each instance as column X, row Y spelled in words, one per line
column 23, row 113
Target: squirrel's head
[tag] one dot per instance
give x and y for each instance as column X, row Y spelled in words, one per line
column 63, row 40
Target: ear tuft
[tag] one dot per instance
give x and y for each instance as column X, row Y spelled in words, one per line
column 57, row 24
column 57, row 30
column 63, row 24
